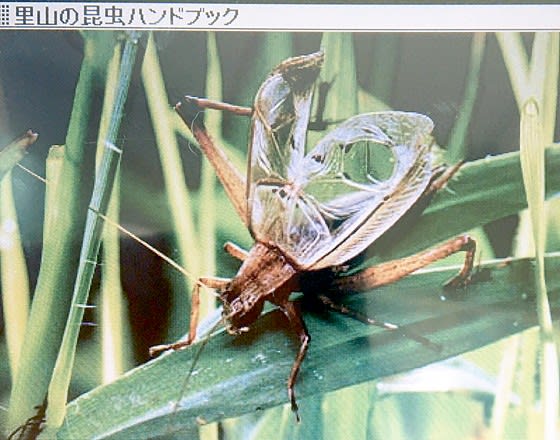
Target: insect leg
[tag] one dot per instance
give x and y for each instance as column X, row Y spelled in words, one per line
column 213, row 283
column 464, row 275
column 391, row 271
column 235, row 251
column 441, row 179
column 294, row 316
column 230, row 177
column 341, row 308
column 219, row 105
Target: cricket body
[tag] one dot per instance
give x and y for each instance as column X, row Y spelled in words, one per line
column 316, row 210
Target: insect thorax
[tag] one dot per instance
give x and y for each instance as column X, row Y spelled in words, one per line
column 266, row 275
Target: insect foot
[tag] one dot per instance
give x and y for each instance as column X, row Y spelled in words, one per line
column 457, row 282
column 294, row 405
column 157, row 349
column 466, row 244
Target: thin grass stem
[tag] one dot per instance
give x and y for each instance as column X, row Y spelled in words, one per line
column 103, row 186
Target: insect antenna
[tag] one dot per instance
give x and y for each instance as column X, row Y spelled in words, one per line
column 204, row 341
column 151, row 248
column 32, row 173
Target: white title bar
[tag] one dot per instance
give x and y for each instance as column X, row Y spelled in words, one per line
column 296, row 17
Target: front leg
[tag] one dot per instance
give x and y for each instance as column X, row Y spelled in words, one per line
column 296, row 320
column 236, row 251
column 212, row 283
column 234, row 183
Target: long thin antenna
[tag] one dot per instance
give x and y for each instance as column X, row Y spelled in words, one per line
column 197, row 355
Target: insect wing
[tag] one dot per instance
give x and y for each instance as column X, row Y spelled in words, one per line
column 324, row 207
column 361, row 178
column 280, row 118
column 278, row 132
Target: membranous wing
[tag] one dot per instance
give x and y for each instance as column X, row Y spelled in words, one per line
column 324, row 207
column 359, row 180
column 280, row 118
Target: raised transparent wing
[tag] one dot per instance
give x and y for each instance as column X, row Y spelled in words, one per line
column 280, row 118
column 324, row 207
column 361, row 178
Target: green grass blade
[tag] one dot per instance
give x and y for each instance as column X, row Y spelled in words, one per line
column 276, row 423
column 115, row 343
column 268, row 52
column 532, row 165
column 54, row 168
column 384, row 63
column 535, row 84
column 179, row 199
column 343, row 411
column 52, row 295
column 338, row 82
column 339, row 71
column 369, row 103
column 456, row 145
column 13, row 275
column 343, row 352
column 505, row 386
column 550, row 86
column 517, row 64
column 543, row 77
column 528, row 388
column 103, row 186
column 208, row 207
column 537, row 77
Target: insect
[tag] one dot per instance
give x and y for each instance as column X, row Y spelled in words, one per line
column 311, row 211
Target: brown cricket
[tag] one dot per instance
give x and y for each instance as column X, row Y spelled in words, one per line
column 315, row 210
